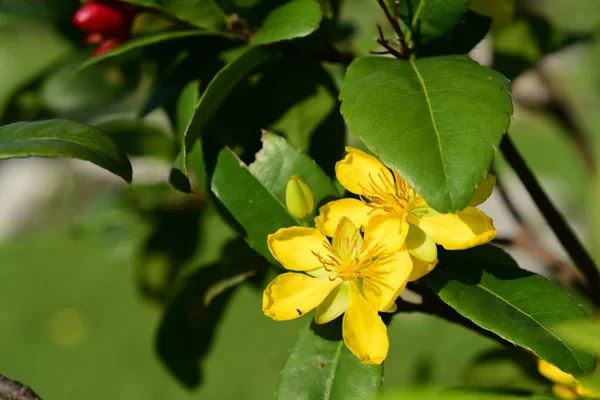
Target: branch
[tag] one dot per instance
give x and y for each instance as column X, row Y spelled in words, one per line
column 393, row 21
column 554, row 219
column 404, row 51
column 13, row 390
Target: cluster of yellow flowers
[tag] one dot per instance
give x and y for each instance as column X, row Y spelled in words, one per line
column 363, row 252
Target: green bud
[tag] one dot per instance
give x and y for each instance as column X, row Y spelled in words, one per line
column 299, row 198
column 420, row 245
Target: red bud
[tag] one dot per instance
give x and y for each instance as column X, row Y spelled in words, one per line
column 93, row 38
column 107, row 45
column 108, row 17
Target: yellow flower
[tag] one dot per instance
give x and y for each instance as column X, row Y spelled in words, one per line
column 384, row 194
column 565, row 385
column 352, row 275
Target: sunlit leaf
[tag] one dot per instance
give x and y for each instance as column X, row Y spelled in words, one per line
column 436, row 120
column 61, row 138
column 294, row 19
column 320, row 366
column 485, row 285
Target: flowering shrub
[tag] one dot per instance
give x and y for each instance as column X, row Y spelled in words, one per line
column 343, row 181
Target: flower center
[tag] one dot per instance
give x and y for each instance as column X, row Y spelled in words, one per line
column 349, row 261
column 386, row 194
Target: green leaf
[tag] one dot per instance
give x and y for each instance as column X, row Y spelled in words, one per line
column 148, row 41
column 320, row 366
column 431, row 19
column 180, row 176
column 436, row 120
column 485, row 285
column 255, row 194
column 61, row 138
column 464, row 37
column 201, row 13
column 294, row 19
column 209, row 103
column 26, row 50
column 64, row 91
column 221, row 86
column 584, row 334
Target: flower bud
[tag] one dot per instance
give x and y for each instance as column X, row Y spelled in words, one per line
column 108, row 17
column 105, row 46
column 299, row 198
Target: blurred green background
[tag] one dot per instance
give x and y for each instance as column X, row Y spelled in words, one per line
column 84, row 286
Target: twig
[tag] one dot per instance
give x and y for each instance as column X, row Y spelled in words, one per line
column 393, row 21
column 554, row 219
column 13, row 390
column 382, row 41
column 404, row 51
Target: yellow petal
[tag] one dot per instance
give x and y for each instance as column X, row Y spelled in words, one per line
column 333, row 306
column 462, row 230
column 420, row 245
column 387, row 231
column 292, row 295
column 360, row 169
column 387, row 278
column 555, row 374
column 391, row 309
column 292, row 247
column 421, row 268
column 364, row 332
column 484, row 190
column 331, row 213
column 564, row 392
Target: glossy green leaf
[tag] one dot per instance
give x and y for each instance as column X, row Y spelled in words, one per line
column 320, row 366
column 485, row 285
column 436, row 120
column 61, row 138
column 255, row 194
column 201, row 13
column 142, row 42
column 294, row 19
column 430, row 19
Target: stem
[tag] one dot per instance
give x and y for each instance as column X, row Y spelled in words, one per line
column 13, row 390
column 553, row 217
column 393, row 22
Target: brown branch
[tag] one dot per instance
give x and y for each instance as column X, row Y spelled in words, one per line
column 554, row 219
column 404, row 51
column 14, row 390
column 393, row 21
